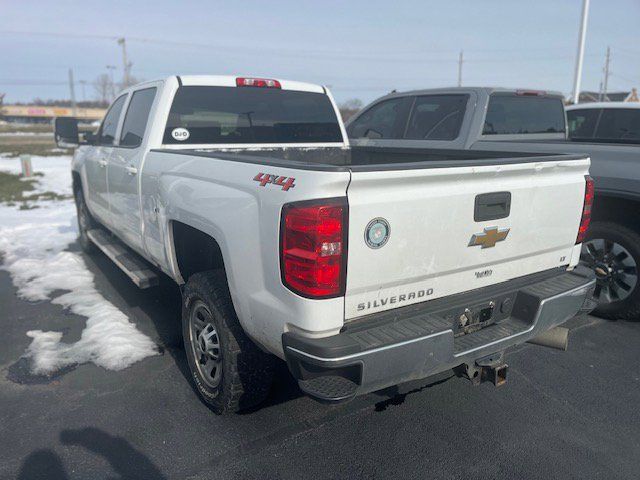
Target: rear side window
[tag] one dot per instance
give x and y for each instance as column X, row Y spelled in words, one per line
column 522, row 114
column 436, row 117
column 384, row 120
column 135, row 121
column 237, row 115
column 110, row 123
column 622, row 124
column 582, row 123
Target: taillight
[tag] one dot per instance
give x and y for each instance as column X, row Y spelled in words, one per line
column 257, row 82
column 313, row 248
column 589, row 193
column 531, row 93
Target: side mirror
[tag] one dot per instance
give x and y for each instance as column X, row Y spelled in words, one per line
column 66, row 132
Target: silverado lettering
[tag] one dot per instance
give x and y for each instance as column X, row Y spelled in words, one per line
column 380, row 302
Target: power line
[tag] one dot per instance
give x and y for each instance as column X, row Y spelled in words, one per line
column 627, row 79
column 391, row 56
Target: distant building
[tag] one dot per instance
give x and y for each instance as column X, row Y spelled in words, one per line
column 587, row 97
column 40, row 114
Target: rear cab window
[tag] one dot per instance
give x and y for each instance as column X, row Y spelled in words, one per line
column 136, row 118
column 517, row 114
column 107, row 131
column 250, row 115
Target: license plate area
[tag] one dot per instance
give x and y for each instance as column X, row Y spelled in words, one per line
column 474, row 317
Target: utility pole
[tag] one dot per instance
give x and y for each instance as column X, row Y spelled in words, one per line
column 111, row 68
column 600, row 92
column 460, row 60
column 74, row 107
column 580, row 54
column 83, row 83
column 605, row 82
column 125, row 63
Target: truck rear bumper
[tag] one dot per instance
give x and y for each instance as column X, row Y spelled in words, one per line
column 422, row 340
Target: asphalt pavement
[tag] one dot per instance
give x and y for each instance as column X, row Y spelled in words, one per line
column 564, row 415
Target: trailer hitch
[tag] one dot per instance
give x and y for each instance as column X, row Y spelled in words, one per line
column 487, row 369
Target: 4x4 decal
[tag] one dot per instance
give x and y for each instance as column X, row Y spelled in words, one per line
column 266, row 178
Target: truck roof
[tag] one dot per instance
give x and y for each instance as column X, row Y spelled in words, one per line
column 230, row 81
column 483, row 90
column 582, row 106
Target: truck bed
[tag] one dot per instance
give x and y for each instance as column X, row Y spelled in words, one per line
column 362, row 158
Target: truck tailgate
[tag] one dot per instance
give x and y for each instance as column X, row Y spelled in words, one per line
column 435, row 246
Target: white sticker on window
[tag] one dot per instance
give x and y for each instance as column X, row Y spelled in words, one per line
column 180, row 134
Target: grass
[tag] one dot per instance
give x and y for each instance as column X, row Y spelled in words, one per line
column 41, row 145
column 14, row 146
column 26, row 127
column 14, row 190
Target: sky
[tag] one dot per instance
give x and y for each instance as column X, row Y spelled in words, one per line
column 360, row 49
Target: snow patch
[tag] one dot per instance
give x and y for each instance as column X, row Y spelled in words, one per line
column 33, row 244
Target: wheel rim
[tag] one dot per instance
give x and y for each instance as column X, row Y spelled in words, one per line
column 205, row 344
column 615, row 267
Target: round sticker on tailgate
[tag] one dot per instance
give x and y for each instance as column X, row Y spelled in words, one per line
column 180, row 134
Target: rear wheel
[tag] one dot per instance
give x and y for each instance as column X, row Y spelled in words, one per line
column 85, row 223
column 613, row 252
column 229, row 371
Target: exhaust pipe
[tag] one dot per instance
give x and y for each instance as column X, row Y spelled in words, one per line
column 557, row 338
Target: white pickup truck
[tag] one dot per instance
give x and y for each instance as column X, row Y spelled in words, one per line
column 361, row 267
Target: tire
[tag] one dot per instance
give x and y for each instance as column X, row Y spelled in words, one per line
column 229, row 371
column 85, row 223
column 613, row 251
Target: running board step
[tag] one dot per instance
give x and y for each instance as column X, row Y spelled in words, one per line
column 137, row 269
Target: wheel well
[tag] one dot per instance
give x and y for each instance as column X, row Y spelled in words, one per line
column 624, row 211
column 195, row 250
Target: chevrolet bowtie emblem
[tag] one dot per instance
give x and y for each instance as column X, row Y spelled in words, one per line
column 489, row 238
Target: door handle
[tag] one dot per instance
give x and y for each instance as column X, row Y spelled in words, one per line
column 102, row 163
column 131, row 170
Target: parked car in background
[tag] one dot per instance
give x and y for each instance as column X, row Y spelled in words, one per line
column 496, row 119
column 606, row 122
column 361, row 267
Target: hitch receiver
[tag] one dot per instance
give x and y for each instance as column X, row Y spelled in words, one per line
column 496, row 375
column 488, row 369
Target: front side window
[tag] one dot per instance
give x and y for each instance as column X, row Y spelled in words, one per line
column 135, row 121
column 621, row 124
column 381, row 121
column 582, row 123
column 109, row 125
column 522, row 114
column 436, row 117
column 239, row 115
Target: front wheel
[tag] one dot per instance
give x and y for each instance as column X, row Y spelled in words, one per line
column 613, row 252
column 85, row 223
column 229, row 371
